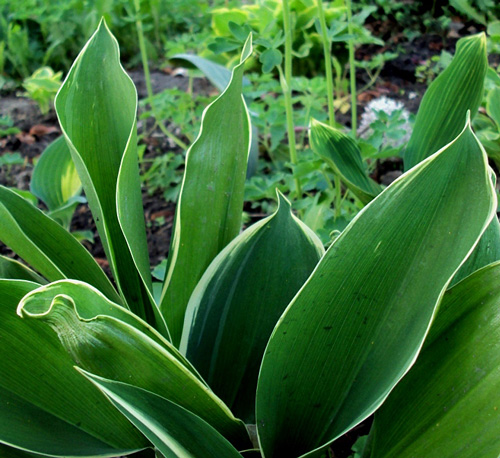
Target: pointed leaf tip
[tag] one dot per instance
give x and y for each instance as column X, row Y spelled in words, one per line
column 283, row 202
column 247, row 48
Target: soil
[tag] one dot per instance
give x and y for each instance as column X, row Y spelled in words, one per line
column 397, row 80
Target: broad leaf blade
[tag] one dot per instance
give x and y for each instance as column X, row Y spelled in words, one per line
column 209, row 209
column 342, row 154
column 174, row 431
column 41, row 397
column 112, row 348
column 458, row 89
column 240, row 298
column 46, row 246
column 356, row 326
column 97, row 106
column 447, row 405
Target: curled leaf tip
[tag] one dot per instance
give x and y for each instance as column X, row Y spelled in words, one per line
column 247, row 48
column 283, row 202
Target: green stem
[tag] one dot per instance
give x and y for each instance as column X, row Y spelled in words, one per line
column 147, row 77
column 328, row 63
column 329, row 94
column 352, row 70
column 286, row 86
column 338, row 196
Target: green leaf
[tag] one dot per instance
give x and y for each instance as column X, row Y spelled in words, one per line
column 222, row 16
column 342, row 154
column 209, row 209
column 27, row 195
column 357, row 325
column 54, row 179
column 97, row 107
column 174, row 431
column 493, row 105
column 220, row 77
column 90, row 303
column 216, row 73
column 41, row 408
column 458, row 89
column 46, row 246
column 270, row 58
column 10, row 269
column 465, row 7
column 112, row 347
column 486, row 252
column 239, row 299
column 64, row 214
column 455, row 382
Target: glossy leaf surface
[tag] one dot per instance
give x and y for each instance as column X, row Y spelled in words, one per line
column 449, row 403
column 239, row 300
column 357, row 325
column 46, row 246
column 444, row 106
column 41, row 393
column 208, row 214
column 174, row 431
column 109, row 345
column 343, row 155
column 97, row 106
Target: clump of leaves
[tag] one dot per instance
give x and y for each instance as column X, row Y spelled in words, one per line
column 260, row 330
column 42, row 87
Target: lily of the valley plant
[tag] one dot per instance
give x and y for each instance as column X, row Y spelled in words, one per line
column 259, row 331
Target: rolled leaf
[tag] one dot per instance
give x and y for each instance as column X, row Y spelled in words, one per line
column 174, row 431
column 208, row 214
column 239, row 300
column 449, row 403
column 112, row 348
column 10, row 269
column 56, row 183
column 343, row 155
column 46, row 246
column 357, row 325
column 97, row 107
column 41, row 408
column 458, row 89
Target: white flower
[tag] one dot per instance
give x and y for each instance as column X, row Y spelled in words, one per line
column 388, row 106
